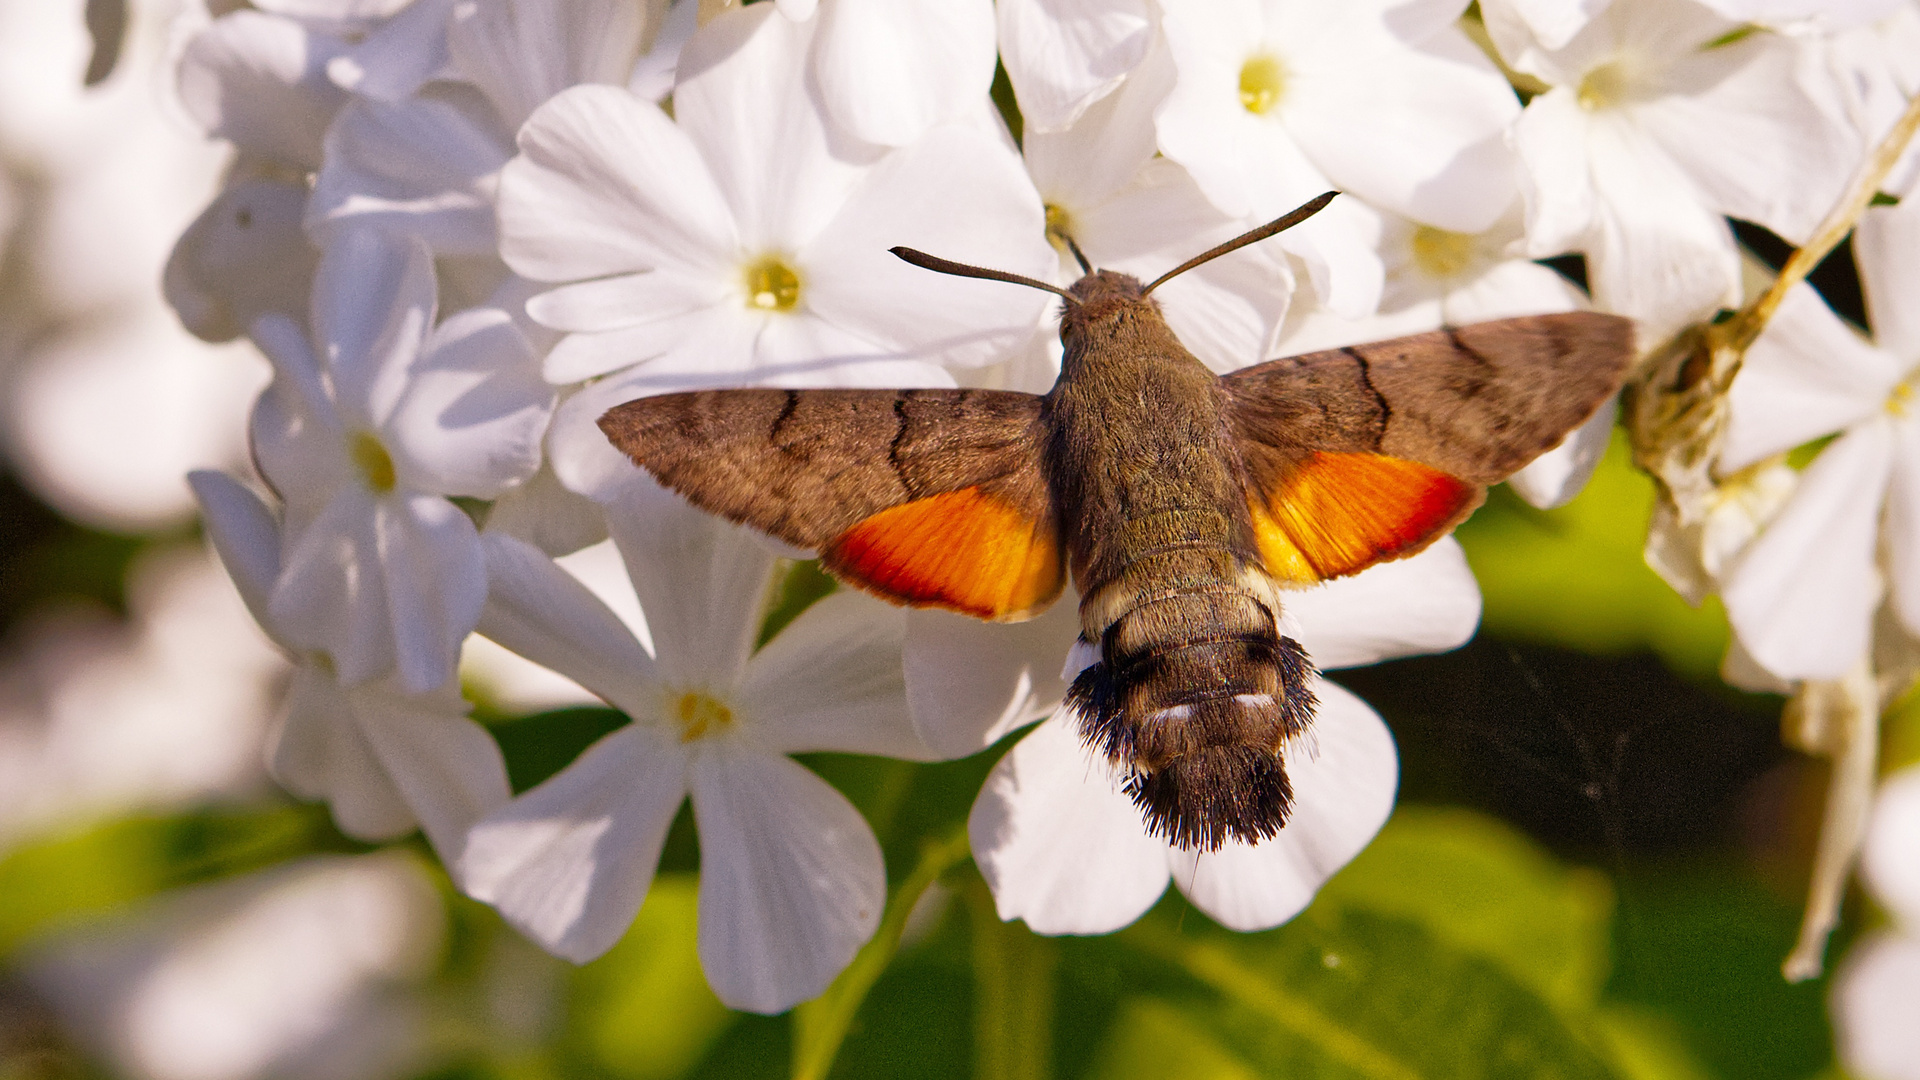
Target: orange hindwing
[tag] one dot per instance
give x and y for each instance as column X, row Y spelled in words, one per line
column 967, row 551
column 1336, row 514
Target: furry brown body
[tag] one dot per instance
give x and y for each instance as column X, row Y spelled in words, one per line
column 1195, row 692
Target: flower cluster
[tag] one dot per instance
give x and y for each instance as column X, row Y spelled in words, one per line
column 461, row 230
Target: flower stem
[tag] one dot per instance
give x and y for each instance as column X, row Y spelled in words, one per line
column 820, row 1025
column 1013, row 989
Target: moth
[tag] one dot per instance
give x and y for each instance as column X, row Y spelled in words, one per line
column 1184, row 504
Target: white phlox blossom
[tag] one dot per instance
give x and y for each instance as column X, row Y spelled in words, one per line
column 791, row 878
column 1277, row 101
column 734, row 243
column 428, row 163
column 385, row 759
column 1065, row 849
column 1877, row 985
column 367, row 428
column 1803, row 594
column 1660, row 118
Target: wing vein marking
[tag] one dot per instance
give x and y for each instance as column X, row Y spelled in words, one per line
column 1366, row 380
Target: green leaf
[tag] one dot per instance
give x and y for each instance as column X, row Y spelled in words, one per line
column 1346, row 993
column 1575, row 576
column 540, row 745
column 644, row 1010
column 1478, row 885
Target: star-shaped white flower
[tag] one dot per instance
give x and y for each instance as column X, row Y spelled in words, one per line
column 791, row 877
column 736, row 242
column 385, row 759
column 368, row 427
column 1065, row 849
column 1661, row 119
column 1803, row 594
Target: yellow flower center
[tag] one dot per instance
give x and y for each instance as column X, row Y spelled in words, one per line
column 1059, row 226
column 772, row 285
column 1262, row 81
column 372, row 459
column 1440, row 253
column 700, row 715
column 1604, row 86
column 1900, row 401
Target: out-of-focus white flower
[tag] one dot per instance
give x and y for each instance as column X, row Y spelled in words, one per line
column 1661, row 119
column 259, row 81
column 100, row 717
column 244, row 256
column 363, row 446
column 428, row 164
column 1065, row 849
column 733, row 243
column 1277, row 101
column 791, row 878
column 1877, row 985
column 384, row 759
column 1063, row 55
column 1802, row 596
column 1808, row 16
column 297, row 972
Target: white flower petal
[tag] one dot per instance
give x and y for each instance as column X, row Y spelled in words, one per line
column 474, row 411
column 523, row 52
column 373, row 304
column 425, row 166
column 1555, row 477
column 1873, row 996
column 1061, row 845
column 569, row 862
column 1064, row 55
column 606, row 184
column 545, row 514
column 1887, row 247
column 1802, row 595
column 399, row 56
column 890, row 69
column 957, row 194
column 628, row 300
column 1508, row 288
column 1551, row 139
column 1893, row 836
column 436, row 578
column 1076, row 168
column 331, row 595
column 582, row 458
column 1807, row 375
column 1427, row 603
column 243, row 531
column 832, row 680
column 1902, row 525
column 1344, row 776
column 545, row 614
column 316, row 751
column 744, row 99
column 446, row 767
column 701, row 582
column 970, row 682
column 791, row 882
column 260, row 81
column 244, row 256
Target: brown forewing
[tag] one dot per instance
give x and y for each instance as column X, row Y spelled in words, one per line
column 1477, row 402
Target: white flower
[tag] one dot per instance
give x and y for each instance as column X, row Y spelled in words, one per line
column 428, row 163
column 791, row 878
column 889, row 70
column 732, row 243
column 383, row 758
column 1660, row 120
column 1062, row 56
column 1280, row 100
column 300, row 972
column 259, row 81
column 1876, row 987
column 100, row 718
column 1133, row 211
column 1802, row 596
column 364, row 445
column 1064, row 848
column 244, row 256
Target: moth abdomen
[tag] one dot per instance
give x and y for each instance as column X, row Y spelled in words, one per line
column 1197, row 724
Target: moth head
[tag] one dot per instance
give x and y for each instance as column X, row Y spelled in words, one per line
column 1100, row 297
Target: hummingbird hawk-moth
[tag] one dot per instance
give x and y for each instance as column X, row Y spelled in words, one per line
column 1184, row 504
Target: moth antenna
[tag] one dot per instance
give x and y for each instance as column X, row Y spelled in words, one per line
column 944, row 266
column 1078, row 255
column 1280, row 224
